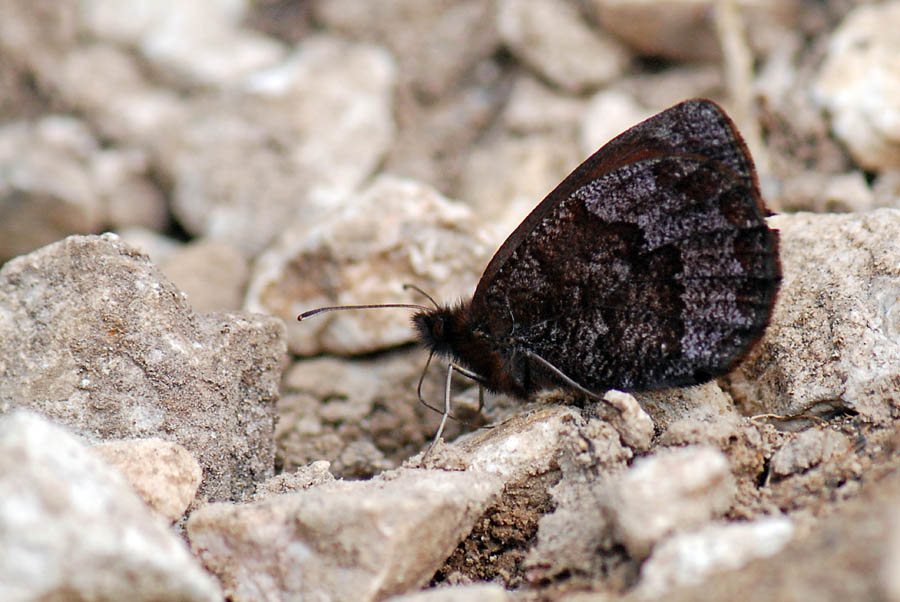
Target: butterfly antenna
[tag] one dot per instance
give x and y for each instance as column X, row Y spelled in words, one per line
column 406, row 287
column 322, row 310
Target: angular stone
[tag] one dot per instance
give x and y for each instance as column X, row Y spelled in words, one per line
column 163, row 473
column 212, row 273
column 689, row 558
column 422, row 238
column 46, row 185
column 834, row 340
column 528, row 444
column 669, row 406
column 288, row 482
column 633, row 424
column 673, row 490
column 551, row 457
column 204, row 44
column 671, row 29
column 437, row 44
column 72, row 529
column 859, row 84
column 293, row 142
column 589, row 455
column 686, row 31
column 344, row 540
column 808, row 449
column 95, row 337
column 848, row 555
column 553, row 39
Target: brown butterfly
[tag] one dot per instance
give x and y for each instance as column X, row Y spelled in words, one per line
column 649, row 266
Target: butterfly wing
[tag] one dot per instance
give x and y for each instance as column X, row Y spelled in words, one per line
column 649, row 266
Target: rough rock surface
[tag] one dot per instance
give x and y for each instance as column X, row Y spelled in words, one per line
column 834, row 341
column 859, row 82
column 685, row 30
column 436, row 44
column 353, row 541
column 212, row 273
column 293, row 141
column 360, row 414
column 303, row 478
column 421, row 238
column 219, row 128
column 553, row 38
column 555, row 464
column 669, row 406
column 203, row 45
column 633, row 424
column 809, row 448
column 72, row 529
column 99, row 340
column 45, row 184
column 589, row 455
column 675, row 488
column 163, row 473
column 688, row 558
column 850, row 555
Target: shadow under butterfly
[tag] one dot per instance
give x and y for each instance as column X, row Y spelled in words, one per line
column 650, row 266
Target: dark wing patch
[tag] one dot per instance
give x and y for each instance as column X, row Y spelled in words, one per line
column 649, row 266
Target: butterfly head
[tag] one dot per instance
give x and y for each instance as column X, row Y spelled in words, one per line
column 441, row 329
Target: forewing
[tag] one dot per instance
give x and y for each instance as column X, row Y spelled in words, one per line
column 649, row 266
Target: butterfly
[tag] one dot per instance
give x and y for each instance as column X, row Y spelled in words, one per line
column 650, row 266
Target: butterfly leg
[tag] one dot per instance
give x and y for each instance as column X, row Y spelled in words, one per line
column 467, row 373
column 561, row 375
column 478, row 379
column 446, row 413
column 421, row 380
